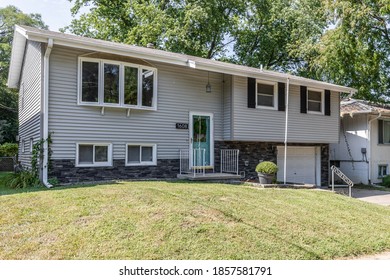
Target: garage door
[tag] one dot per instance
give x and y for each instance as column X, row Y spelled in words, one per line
column 301, row 164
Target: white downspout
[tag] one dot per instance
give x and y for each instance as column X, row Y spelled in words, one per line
column 46, row 112
column 286, row 134
column 369, row 146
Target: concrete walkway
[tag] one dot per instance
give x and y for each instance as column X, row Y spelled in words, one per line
column 373, row 196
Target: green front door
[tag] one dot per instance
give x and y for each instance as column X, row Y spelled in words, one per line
column 202, row 139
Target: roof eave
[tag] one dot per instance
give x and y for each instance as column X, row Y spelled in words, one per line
column 179, row 59
column 17, row 55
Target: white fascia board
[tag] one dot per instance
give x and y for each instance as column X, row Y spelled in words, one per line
column 16, row 62
column 181, row 60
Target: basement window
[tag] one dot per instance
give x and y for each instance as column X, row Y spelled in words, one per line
column 141, row 154
column 99, row 154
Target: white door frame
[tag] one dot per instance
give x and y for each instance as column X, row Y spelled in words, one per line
column 211, row 115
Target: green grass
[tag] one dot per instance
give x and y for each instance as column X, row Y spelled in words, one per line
column 178, row 220
column 367, row 187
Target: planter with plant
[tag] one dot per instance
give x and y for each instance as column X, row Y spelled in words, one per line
column 266, row 171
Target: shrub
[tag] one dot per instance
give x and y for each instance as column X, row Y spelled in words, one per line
column 8, row 149
column 267, row 167
column 23, row 179
column 386, row 181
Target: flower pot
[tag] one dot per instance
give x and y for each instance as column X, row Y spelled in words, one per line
column 265, row 178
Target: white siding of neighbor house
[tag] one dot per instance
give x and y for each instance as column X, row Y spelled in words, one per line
column 180, row 90
column 30, row 91
column 380, row 153
column 269, row 125
column 356, row 132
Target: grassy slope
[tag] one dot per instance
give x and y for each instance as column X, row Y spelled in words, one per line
column 172, row 220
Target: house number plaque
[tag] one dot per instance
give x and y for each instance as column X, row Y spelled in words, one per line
column 181, row 125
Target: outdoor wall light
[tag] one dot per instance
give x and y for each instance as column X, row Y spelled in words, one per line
column 208, row 86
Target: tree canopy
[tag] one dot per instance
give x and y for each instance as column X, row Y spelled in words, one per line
column 9, row 16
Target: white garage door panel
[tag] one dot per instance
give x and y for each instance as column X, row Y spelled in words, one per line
column 301, row 164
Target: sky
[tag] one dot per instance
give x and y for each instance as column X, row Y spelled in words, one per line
column 55, row 13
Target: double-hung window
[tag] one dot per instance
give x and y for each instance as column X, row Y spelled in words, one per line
column 382, row 170
column 141, row 154
column 315, row 101
column 99, row 154
column 117, row 84
column 266, row 94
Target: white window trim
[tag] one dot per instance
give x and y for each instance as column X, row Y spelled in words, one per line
column 383, row 132
column 322, row 101
column 31, row 144
column 275, row 84
column 22, row 144
column 95, row 164
column 145, row 163
column 121, row 104
column 387, row 170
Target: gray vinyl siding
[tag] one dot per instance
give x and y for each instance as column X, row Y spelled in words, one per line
column 269, row 125
column 30, row 107
column 180, row 90
column 227, row 108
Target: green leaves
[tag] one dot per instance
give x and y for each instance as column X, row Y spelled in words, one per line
column 9, row 16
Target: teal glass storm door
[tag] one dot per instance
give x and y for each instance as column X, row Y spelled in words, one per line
column 202, row 142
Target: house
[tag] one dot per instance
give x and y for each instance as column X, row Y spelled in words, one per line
column 363, row 151
column 121, row 111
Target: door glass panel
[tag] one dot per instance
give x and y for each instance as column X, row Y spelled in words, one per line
column 201, row 140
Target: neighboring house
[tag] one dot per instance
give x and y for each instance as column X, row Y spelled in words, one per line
column 121, row 111
column 363, row 151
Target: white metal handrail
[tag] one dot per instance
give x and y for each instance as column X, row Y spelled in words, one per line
column 229, row 160
column 194, row 162
column 343, row 177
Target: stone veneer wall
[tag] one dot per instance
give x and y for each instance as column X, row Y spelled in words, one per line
column 251, row 153
column 66, row 172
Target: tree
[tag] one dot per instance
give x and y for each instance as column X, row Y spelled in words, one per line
column 9, row 16
column 195, row 27
column 356, row 51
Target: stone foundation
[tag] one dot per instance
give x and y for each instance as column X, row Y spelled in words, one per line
column 66, row 172
column 251, row 153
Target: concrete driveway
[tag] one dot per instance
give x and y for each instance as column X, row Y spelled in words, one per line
column 373, row 196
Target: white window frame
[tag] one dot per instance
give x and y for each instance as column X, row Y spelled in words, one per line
column 121, row 103
column 383, row 132
column 22, row 144
column 275, row 85
column 142, row 163
column 379, row 169
column 322, row 101
column 31, row 144
column 94, row 164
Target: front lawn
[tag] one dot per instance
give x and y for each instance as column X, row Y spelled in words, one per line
column 179, row 220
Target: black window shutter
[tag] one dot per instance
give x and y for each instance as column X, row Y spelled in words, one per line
column 303, row 99
column 327, row 102
column 281, row 96
column 251, row 93
column 380, row 131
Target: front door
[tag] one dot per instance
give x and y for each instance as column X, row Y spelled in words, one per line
column 201, row 139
